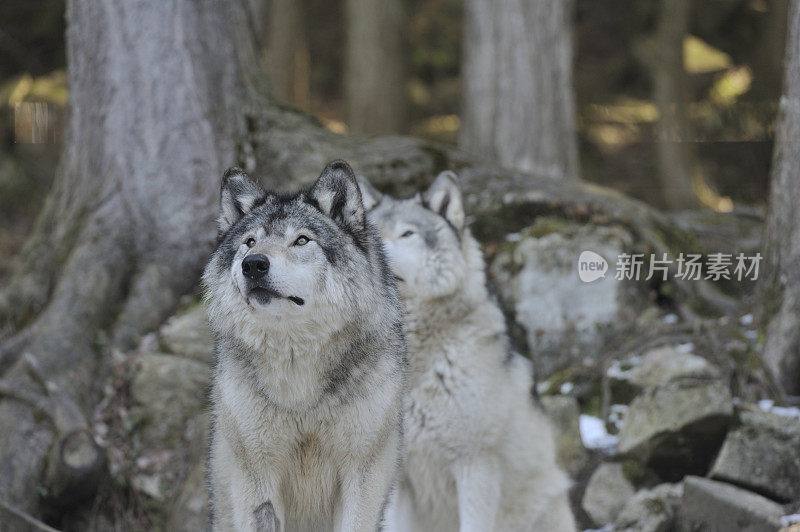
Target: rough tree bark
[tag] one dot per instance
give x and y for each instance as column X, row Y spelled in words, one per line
column 779, row 288
column 674, row 152
column 374, row 81
column 287, row 52
column 518, row 107
column 164, row 96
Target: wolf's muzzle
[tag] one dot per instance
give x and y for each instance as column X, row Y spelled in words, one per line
column 255, row 267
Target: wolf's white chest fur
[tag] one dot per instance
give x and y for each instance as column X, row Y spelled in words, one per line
column 302, row 456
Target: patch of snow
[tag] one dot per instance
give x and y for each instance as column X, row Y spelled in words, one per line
column 594, row 434
column 789, row 520
column 542, row 387
column 747, row 319
column 607, row 528
column 787, row 411
column 513, row 237
column 768, row 405
column 566, row 388
column 688, row 347
column 751, row 335
column 670, row 319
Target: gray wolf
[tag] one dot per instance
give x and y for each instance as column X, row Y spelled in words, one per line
column 480, row 452
column 308, row 384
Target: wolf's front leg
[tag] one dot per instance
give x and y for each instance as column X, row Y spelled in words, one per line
column 478, row 487
column 400, row 514
column 365, row 490
column 255, row 506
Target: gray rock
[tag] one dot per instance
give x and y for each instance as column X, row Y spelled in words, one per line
column 170, row 390
column 657, row 367
column 762, row 454
column 651, row 510
column 677, row 428
column 714, row 506
column 565, row 319
column 188, row 335
column 564, row 412
column 606, row 494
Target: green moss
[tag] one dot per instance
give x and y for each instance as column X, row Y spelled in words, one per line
column 559, row 378
column 493, row 226
column 593, row 402
column 634, row 471
column 547, row 225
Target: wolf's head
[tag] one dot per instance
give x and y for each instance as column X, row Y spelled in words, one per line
column 431, row 252
column 306, row 261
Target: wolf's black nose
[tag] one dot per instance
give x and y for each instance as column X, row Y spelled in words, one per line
column 255, row 266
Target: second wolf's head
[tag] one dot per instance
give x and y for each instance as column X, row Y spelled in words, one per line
column 430, row 249
column 303, row 264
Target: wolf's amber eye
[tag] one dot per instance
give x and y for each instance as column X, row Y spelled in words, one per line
column 406, row 234
column 250, row 242
column 302, row 240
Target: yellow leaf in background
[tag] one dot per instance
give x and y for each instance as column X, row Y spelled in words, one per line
column 51, row 88
column 626, row 110
column 699, row 57
column 730, row 85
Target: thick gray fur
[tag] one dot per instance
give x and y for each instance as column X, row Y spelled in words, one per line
column 310, row 360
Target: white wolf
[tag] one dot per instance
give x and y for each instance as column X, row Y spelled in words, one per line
column 310, row 360
column 480, row 452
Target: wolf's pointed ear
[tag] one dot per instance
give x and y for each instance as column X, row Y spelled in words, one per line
column 337, row 195
column 444, row 198
column 238, row 195
column 369, row 194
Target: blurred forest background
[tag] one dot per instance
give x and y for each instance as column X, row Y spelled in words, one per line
column 728, row 78
column 618, row 126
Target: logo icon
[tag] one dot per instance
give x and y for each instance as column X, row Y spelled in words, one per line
column 591, row 266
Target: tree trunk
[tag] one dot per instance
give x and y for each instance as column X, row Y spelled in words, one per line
column 163, row 97
column 518, row 106
column 674, row 152
column 157, row 95
column 374, row 74
column 768, row 57
column 779, row 288
column 258, row 16
column 288, row 52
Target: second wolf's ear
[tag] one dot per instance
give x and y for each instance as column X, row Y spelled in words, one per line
column 238, row 195
column 369, row 194
column 444, row 198
column 337, row 195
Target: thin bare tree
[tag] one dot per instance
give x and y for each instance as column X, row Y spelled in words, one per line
column 287, row 52
column 674, row 150
column 374, row 73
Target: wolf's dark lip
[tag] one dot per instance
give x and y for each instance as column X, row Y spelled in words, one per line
column 398, row 278
column 264, row 295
